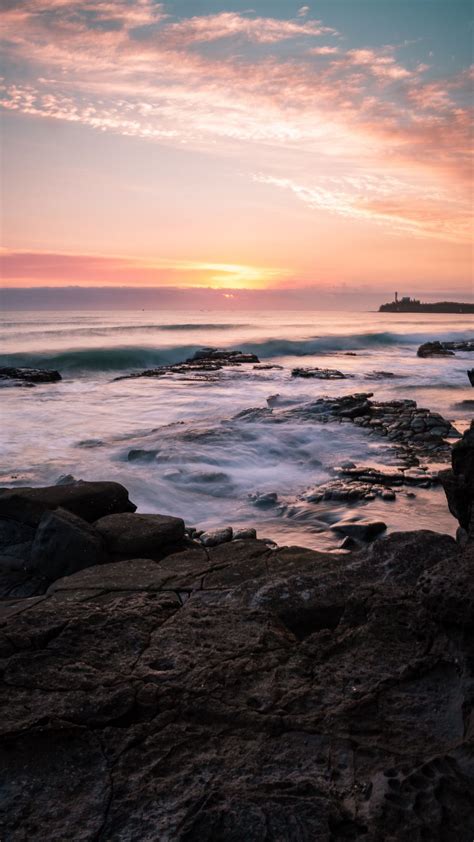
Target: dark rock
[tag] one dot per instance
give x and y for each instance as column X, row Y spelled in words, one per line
column 319, row 373
column 222, row 356
column 216, row 537
column 16, row 538
column 244, row 534
column 364, row 530
column 470, row 375
column 434, row 349
column 31, row 375
column 239, row 693
column 458, row 482
column 133, row 535
column 64, row 544
column 87, row 500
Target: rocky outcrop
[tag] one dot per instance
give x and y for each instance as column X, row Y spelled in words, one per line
column 458, row 484
column 444, row 349
column 88, row 500
column 319, row 373
column 203, row 362
column 29, row 375
column 470, row 375
column 239, row 693
column 418, row 431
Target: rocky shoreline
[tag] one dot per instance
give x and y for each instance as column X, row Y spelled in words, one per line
column 163, row 684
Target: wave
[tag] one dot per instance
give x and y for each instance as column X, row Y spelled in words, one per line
column 123, row 358
column 67, row 330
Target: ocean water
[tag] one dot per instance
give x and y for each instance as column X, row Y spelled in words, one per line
column 201, row 465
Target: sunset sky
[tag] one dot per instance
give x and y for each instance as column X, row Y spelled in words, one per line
column 210, row 144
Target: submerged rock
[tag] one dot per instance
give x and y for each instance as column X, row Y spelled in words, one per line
column 319, row 373
column 444, row 349
column 364, row 530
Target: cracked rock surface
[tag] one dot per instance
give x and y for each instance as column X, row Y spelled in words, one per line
column 240, row 693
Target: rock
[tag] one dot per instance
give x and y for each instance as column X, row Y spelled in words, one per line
column 66, row 479
column 388, row 494
column 458, row 482
column 134, row 535
column 319, row 373
column 30, row 375
column 364, row 530
column 222, row 356
column 264, row 500
column 470, row 375
column 218, row 536
column 16, row 539
column 244, row 534
column 88, row 500
column 64, row 544
column 287, row 695
column 434, row 349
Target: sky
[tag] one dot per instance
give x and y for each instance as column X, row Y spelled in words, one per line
column 283, row 147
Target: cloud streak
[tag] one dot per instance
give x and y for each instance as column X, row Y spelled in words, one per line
column 382, row 143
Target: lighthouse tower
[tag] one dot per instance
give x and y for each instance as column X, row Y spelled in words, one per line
column 396, row 298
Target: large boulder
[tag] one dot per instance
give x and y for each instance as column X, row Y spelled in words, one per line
column 458, row 483
column 133, row 535
column 87, row 500
column 64, row 544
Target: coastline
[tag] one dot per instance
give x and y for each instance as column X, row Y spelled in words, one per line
column 179, row 691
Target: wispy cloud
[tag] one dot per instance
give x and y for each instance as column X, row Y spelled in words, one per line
column 352, row 118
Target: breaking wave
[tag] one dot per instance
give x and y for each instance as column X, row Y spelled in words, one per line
column 123, row 358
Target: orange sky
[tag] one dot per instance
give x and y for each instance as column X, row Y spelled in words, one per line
column 146, row 145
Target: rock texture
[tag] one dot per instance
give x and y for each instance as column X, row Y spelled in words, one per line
column 458, row 483
column 297, row 704
column 235, row 692
column 131, row 535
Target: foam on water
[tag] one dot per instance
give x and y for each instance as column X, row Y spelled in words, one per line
column 200, row 464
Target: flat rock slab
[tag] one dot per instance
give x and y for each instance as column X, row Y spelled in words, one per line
column 88, row 500
column 31, row 375
column 135, row 534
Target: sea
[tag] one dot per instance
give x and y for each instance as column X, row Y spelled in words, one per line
column 196, row 460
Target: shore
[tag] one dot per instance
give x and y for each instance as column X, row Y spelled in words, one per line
column 158, row 686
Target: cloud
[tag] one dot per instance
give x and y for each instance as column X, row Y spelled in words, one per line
column 19, row 268
column 353, row 116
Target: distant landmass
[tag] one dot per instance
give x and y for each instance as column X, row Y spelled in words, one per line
column 412, row 305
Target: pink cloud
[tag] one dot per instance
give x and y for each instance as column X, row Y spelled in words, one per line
column 361, row 113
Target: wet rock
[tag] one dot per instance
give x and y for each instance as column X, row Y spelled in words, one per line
column 470, row 375
column 319, row 373
column 268, row 367
column 222, row 356
column 142, row 455
column 133, row 535
column 458, row 482
column 244, row 534
column 87, row 500
column 364, row 530
column 265, row 499
column 216, row 537
column 30, row 375
column 64, row 544
column 381, row 375
column 434, row 349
